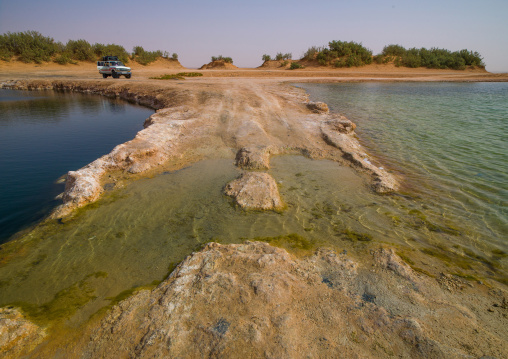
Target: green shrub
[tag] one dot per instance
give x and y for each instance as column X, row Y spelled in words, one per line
column 174, row 56
column 340, row 54
column 378, row 59
column 280, row 56
column 145, row 57
column 29, row 46
column 340, row 63
column 433, row 59
column 5, row 54
column 80, row 50
column 190, row 74
column 64, row 59
column 312, row 52
column 111, row 49
column 471, row 58
column 354, row 61
column 296, row 65
column 222, row 58
column 393, row 50
column 178, row 76
column 266, row 58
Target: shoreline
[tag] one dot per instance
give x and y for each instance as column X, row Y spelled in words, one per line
column 405, row 330
column 157, row 144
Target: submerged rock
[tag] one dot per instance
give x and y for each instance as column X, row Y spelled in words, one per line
column 255, row 190
column 17, row 334
column 339, row 132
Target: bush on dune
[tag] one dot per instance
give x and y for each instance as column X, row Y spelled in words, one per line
column 228, row 60
column 145, row 57
column 28, row 46
column 434, row 58
column 340, row 54
column 111, row 49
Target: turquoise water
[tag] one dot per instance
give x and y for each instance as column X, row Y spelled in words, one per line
column 45, row 134
column 447, row 141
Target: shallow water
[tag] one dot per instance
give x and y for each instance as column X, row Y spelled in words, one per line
column 135, row 235
column 44, row 134
column 449, row 141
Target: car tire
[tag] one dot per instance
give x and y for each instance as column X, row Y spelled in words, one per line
column 127, row 76
column 114, row 74
column 105, row 76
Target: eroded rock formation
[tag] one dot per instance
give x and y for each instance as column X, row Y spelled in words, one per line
column 255, row 300
column 255, row 190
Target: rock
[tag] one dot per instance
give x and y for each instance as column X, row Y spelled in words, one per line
column 341, row 124
column 255, row 190
column 151, row 147
column 318, row 107
column 339, row 133
column 255, row 300
column 387, row 258
column 17, row 334
column 254, row 158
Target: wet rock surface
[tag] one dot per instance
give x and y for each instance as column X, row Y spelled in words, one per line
column 255, row 300
column 17, row 334
column 339, row 132
column 254, row 157
column 255, row 190
column 318, row 107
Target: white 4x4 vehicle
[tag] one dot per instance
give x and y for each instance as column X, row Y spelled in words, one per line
column 110, row 66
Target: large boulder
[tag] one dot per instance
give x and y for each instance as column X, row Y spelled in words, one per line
column 255, row 190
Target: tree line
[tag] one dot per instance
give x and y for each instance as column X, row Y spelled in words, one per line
column 33, row 47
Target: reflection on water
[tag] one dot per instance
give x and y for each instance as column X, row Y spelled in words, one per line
column 44, row 134
column 135, row 235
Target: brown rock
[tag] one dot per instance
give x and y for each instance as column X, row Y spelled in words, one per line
column 17, row 334
column 339, row 133
column 255, row 190
column 318, row 107
column 341, row 124
column 253, row 158
column 255, row 300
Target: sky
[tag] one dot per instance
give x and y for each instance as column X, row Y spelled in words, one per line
column 245, row 30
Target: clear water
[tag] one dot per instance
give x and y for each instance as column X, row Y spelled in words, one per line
column 45, row 134
column 449, row 141
column 135, row 235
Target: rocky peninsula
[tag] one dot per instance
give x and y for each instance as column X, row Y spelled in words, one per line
column 261, row 299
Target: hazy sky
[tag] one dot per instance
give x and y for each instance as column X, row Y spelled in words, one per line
column 245, row 30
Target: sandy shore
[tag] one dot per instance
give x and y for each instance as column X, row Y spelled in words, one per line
column 368, row 305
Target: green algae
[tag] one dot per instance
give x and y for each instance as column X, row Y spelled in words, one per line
column 465, row 276
column 65, row 302
column 419, row 220
column 292, row 242
column 405, row 258
column 356, row 236
column 499, row 253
